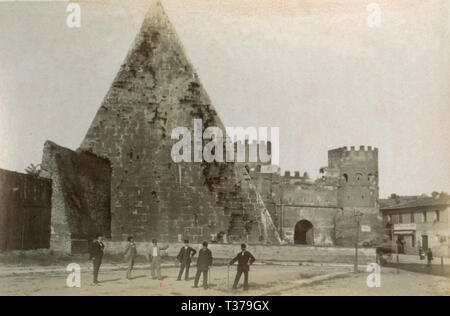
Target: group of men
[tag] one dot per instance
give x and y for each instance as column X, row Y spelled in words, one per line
column 204, row 261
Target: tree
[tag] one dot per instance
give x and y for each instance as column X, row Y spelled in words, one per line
column 34, row 170
column 435, row 194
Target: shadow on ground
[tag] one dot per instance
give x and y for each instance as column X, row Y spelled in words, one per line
column 436, row 270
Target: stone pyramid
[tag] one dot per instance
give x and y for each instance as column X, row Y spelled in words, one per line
column 155, row 91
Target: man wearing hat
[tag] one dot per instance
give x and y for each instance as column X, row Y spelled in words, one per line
column 130, row 255
column 244, row 259
column 155, row 259
column 204, row 263
column 97, row 252
column 185, row 257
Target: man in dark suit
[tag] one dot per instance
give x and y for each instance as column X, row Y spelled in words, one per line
column 97, row 252
column 204, row 262
column 429, row 257
column 244, row 259
column 185, row 258
column 130, row 256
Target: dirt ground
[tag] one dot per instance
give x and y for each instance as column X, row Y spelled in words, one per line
column 265, row 280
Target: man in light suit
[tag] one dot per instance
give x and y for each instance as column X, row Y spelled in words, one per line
column 130, row 256
column 185, row 257
column 245, row 259
column 155, row 259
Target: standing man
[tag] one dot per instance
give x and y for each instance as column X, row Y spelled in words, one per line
column 245, row 259
column 97, row 252
column 130, row 256
column 155, row 259
column 185, row 257
column 204, row 263
column 429, row 257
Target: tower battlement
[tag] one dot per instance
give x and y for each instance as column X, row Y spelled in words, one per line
column 369, row 152
column 292, row 174
column 349, row 150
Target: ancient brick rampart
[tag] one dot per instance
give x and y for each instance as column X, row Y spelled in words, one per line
column 24, row 211
column 80, row 199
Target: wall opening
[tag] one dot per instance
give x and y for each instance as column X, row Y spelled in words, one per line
column 304, row 233
column 425, row 242
column 345, row 177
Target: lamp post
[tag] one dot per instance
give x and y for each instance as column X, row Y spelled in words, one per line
column 358, row 215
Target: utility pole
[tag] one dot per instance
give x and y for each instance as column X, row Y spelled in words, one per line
column 358, row 216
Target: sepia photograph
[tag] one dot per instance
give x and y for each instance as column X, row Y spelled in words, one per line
column 224, row 153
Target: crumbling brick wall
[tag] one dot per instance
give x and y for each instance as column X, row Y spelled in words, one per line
column 24, row 211
column 349, row 186
column 81, row 197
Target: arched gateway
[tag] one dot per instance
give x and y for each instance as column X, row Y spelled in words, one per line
column 304, row 233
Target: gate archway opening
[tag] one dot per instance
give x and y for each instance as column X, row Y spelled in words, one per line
column 304, row 233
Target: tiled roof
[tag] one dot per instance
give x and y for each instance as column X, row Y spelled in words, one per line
column 421, row 202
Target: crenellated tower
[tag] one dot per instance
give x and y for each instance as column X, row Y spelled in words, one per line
column 358, row 176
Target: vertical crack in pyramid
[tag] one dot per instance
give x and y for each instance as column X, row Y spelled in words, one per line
column 155, row 91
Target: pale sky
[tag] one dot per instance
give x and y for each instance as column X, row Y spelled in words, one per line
column 314, row 68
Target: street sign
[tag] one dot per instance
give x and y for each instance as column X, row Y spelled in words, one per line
column 410, row 226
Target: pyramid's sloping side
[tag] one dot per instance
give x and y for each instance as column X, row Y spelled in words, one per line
column 155, row 91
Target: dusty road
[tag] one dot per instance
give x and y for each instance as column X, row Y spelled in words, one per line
column 265, row 280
